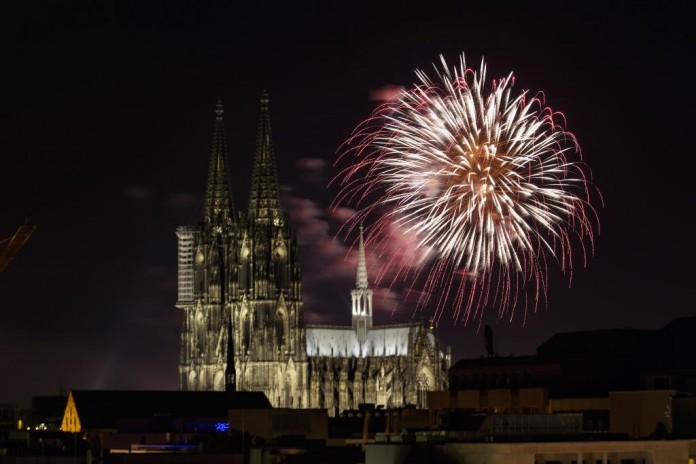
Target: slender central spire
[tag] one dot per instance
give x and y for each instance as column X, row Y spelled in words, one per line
column 219, row 208
column 361, row 277
column 361, row 296
column 264, row 203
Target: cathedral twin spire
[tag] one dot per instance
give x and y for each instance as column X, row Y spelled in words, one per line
column 264, row 201
column 219, row 208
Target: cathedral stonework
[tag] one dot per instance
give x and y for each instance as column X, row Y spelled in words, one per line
column 243, row 325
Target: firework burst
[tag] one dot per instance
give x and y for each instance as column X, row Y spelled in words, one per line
column 487, row 186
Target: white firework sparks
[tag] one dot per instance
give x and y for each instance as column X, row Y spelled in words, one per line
column 480, row 178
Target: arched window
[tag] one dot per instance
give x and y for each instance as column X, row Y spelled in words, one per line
column 200, row 330
column 288, row 391
column 280, row 254
column 422, row 388
column 246, row 332
column 199, row 271
column 280, row 328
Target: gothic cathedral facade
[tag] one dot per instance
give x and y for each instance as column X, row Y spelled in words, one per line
column 239, row 286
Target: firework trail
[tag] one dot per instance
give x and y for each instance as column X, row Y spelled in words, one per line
column 486, row 185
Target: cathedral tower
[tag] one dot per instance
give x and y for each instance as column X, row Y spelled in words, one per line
column 239, row 285
column 205, row 264
column 270, row 334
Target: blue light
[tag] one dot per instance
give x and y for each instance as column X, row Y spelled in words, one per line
column 222, row 426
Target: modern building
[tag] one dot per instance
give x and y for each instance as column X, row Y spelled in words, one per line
column 239, row 274
column 633, row 383
column 592, row 363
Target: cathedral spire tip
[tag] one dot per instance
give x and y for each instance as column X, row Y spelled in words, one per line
column 361, row 278
column 264, row 98
column 219, row 110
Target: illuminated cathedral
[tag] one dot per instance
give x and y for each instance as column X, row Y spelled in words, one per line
column 239, row 286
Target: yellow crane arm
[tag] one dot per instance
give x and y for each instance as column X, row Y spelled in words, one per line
column 17, row 241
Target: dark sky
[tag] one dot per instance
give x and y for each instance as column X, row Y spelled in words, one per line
column 106, row 116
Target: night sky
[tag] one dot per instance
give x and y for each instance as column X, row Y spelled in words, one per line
column 106, row 119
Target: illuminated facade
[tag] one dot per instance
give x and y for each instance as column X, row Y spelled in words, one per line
column 389, row 365
column 243, row 269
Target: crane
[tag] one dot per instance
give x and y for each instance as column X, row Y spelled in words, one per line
column 16, row 242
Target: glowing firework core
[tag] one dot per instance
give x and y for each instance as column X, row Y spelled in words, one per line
column 479, row 176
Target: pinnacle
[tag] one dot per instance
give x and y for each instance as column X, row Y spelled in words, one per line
column 264, row 202
column 361, row 277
